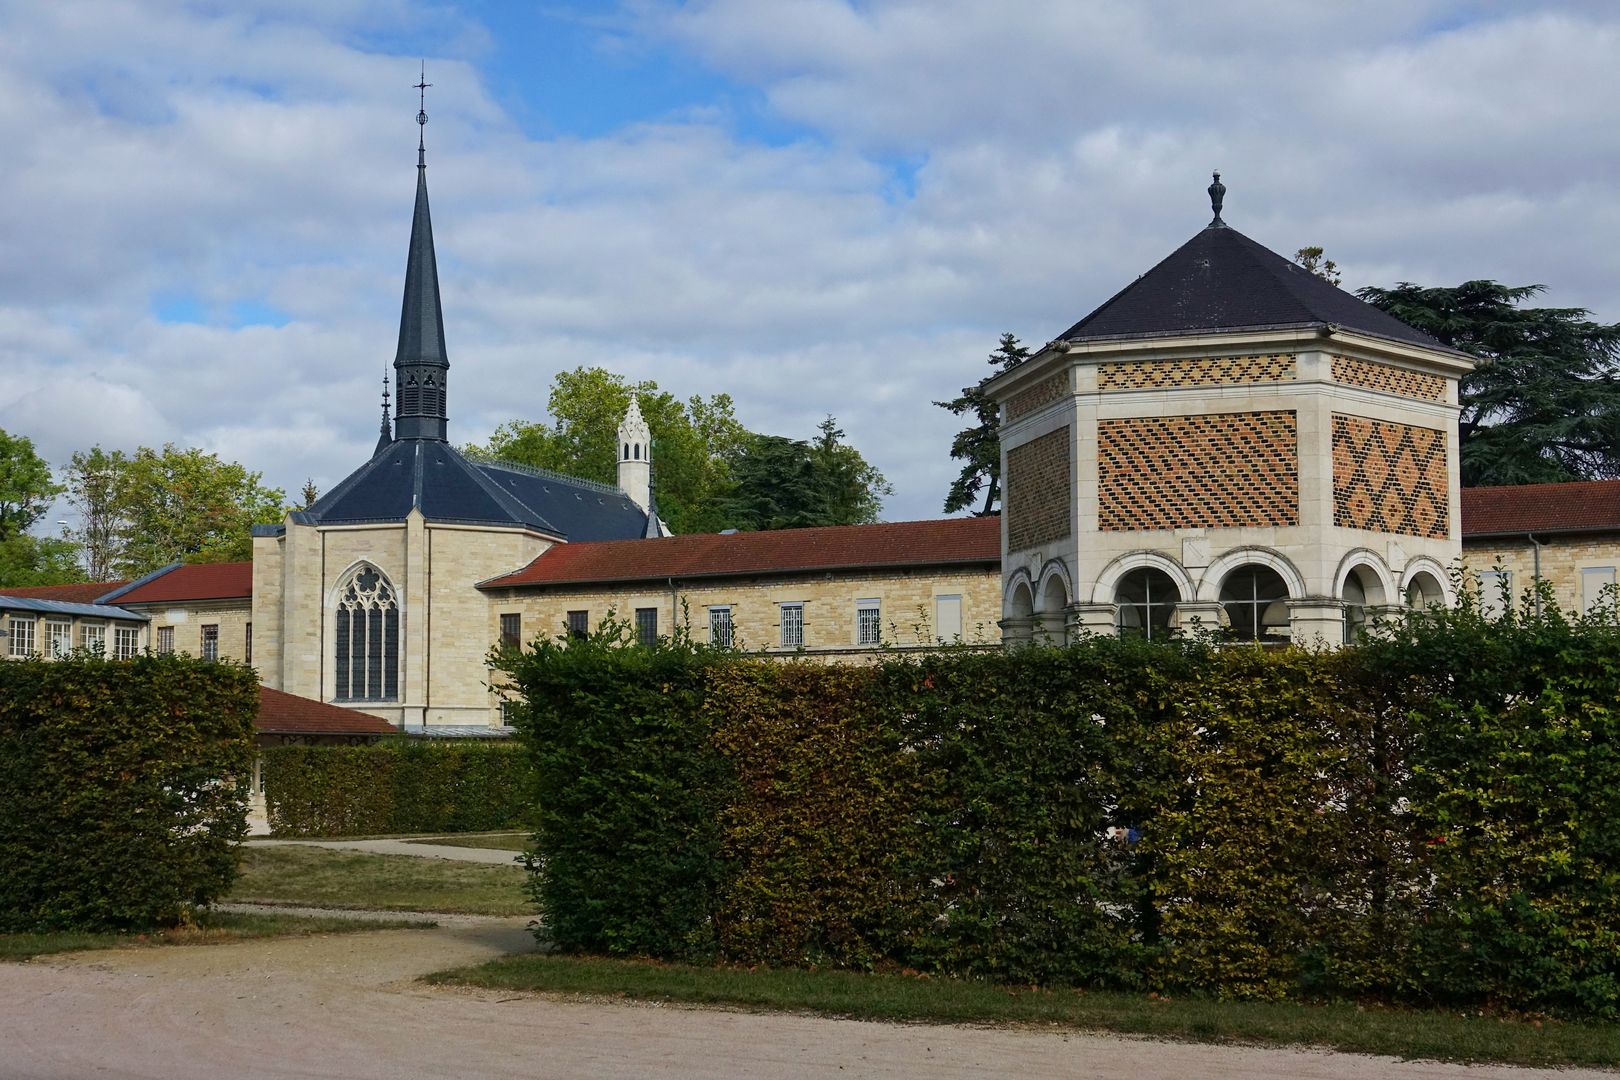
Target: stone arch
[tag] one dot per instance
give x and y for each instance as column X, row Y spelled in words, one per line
column 1209, row 586
column 1436, row 590
column 1018, row 598
column 1108, row 581
column 1378, row 584
column 1055, row 572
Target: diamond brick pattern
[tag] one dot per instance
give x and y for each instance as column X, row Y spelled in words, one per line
column 1204, row 371
column 1036, row 493
column 1390, row 478
column 1218, row 471
column 1388, row 378
column 1044, row 392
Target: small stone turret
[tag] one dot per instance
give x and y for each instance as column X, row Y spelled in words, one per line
column 635, row 457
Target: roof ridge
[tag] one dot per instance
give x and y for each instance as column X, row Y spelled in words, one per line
column 137, row 583
column 546, row 474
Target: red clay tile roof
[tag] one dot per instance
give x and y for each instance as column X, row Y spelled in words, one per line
column 81, row 592
column 1583, row 506
column 194, row 581
column 288, row 714
column 839, row 547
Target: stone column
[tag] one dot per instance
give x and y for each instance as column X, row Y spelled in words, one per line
column 1017, row 630
column 1316, row 622
column 1100, row 619
column 1193, row 616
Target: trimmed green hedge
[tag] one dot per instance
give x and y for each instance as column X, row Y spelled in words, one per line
column 122, row 789
column 1429, row 817
column 397, row 786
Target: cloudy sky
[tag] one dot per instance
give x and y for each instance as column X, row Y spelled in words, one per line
column 816, row 206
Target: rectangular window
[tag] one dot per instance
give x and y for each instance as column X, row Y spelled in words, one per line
column 247, row 644
column 1594, row 579
column 948, row 618
column 1495, row 591
column 126, row 642
column 165, row 643
column 511, row 630
column 720, row 626
column 58, row 639
column 210, row 641
column 868, row 622
column 579, row 624
column 93, row 636
column 792, row 626
column 22, row 637
column 647, row 626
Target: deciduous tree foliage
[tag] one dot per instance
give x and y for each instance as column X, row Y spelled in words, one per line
column 1544, row 403
column 709, row 472
column 26, row 487
column 979, row 447
column 142, row 511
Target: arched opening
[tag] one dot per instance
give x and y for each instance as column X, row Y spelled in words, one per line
column 626, row 455
column 1255, row 598
column 1054, row 610
column 635, row 450
column 1424, row 592
column 1147, row 599
column 366, row 664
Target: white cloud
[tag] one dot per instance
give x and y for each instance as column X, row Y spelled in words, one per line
column 964, row 169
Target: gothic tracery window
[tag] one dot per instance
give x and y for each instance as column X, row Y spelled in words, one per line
column 367, row 662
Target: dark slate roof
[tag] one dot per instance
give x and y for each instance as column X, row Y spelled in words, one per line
column 942, row 542
column 434, row 477
column 421, row 318
column 1222, row 280
column 1516, row 509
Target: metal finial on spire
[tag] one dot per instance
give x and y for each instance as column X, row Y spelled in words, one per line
column 385, row 396
column 421, row 117
column 1217, row 194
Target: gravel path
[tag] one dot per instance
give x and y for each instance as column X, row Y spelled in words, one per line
column 346, row 1006
column 401, row 847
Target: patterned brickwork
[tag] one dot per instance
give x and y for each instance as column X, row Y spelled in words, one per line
column 1388, row 378
column 1205, row 371
column 1044, row 392
column 1036, row 491
column 1390, row 478
column 1220, row 470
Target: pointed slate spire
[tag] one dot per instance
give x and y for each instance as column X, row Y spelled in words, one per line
column 421, row 365
column 386, row 438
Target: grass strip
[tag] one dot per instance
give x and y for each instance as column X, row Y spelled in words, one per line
column 319, row 877
column 213, row 928
column 1401, row 1033
column 507, row 841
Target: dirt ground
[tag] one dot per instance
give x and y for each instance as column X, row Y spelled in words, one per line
column 345, row 1006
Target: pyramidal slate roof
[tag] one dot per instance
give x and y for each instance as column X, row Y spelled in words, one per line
column 436, row 479
column 1222, row 280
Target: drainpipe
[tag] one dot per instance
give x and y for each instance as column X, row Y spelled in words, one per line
column 674, row 607
column 1535, row 571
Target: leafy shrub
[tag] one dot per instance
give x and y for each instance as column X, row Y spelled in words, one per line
column 123, row 788
column 397, row 786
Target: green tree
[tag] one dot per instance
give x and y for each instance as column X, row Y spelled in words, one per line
column 693, row 442
column 142, row 511
column 979, row 447
column 1315, row 261
column 26, row 487
column 26, row 559
column 1543, row 404
column 92, row 490
column 783, row 483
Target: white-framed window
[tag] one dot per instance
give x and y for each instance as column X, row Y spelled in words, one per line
column 165, row 640
column 720, row 626
column 93, row 637
column 1594, row 579
column 22, row 637
column 58, row 639
column 948, row 618
column 792, row 620
column 868, row 622
column 126, row 642
column 1495, row 591
column 210, row 641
